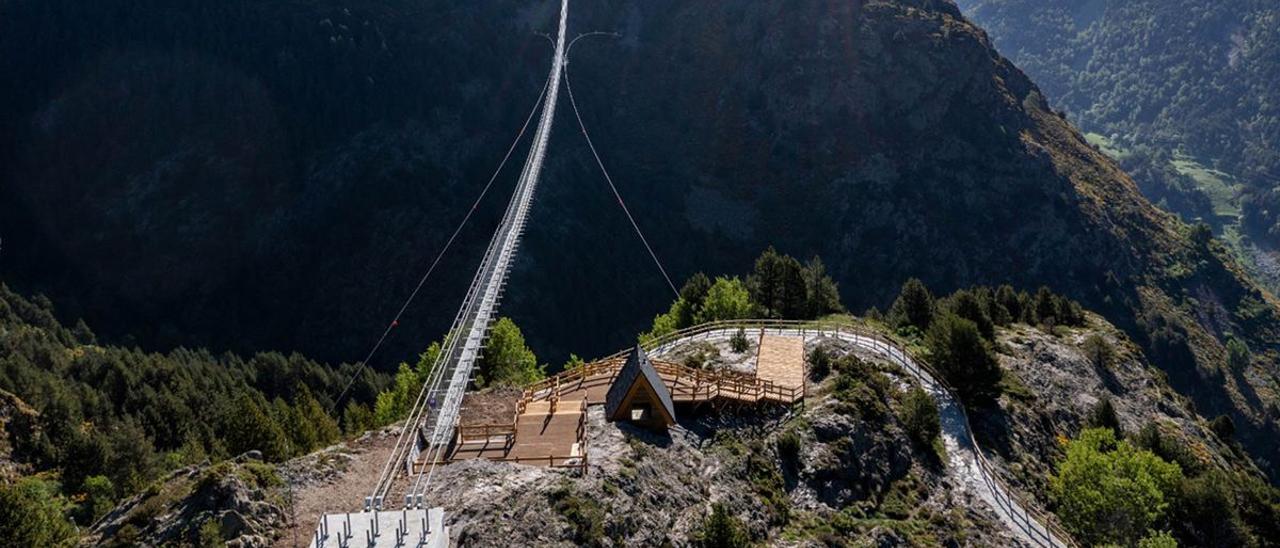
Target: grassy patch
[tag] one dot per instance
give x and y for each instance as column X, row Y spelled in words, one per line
column 1011, row 385
column 1107, row 147
column 261, row 474
column 1220, row 187
column 766, row 478
column 584, row 514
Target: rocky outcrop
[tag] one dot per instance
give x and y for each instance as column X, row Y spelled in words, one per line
column 1057, row 377
column 838, row 470
column 239, row 503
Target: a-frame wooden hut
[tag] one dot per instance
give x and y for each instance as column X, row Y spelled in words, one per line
column 638, row 395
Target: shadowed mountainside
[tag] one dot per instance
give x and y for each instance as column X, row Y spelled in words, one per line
column 262, row 174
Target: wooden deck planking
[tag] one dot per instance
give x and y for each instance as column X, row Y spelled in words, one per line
column 540, row 435
column 543, row 437
column 781, row 361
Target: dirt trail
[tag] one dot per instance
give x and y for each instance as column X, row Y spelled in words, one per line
column 334, row 480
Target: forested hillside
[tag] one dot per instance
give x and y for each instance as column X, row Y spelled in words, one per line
column 103, row 422
column 1182, row 92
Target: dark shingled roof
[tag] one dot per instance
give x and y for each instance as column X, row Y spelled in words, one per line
column 637, row 364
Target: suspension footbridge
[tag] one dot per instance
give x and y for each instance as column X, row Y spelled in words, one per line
column 395, row 511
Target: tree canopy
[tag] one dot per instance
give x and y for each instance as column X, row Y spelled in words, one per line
column 507, row 360
column 1108, row 491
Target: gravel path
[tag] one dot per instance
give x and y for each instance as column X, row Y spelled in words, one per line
column 334, row 480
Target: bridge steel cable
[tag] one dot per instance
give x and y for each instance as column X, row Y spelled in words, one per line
column 502, row 250
column 434, row 416
column 434, row 263
column 433, row 379
column 605, row 172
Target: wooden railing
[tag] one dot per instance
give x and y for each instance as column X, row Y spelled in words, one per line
column 1009, row 499
column 706, row 384
column 485, row 432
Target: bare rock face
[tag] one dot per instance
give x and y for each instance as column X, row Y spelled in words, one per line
column 1058, row 378
column 239, row 503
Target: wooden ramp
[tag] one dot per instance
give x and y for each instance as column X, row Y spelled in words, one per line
column 781, row 360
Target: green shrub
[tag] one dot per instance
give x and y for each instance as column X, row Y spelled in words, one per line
column 507, row 361
column 209, row 535
column 1223, row 427
column 100, row 496
column 1171, row 449
column 1098, row 351
column 788, row 446
column 859, row 389
column 1205, row 512
column 263, row 475
column 584, row 514
column 1238, row 357
column 920, row 417
column 31, row 514
column 1103, row 415
column 820, row 363
column 721, row 530
column 1158, row 539
column 727, row 299
column 766, row 477
column 739, row 342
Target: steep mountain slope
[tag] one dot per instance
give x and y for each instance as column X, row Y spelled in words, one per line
column 289, row 190
column 100, row 423
column 1165, row 86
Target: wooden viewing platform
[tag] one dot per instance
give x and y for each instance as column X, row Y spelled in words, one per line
column 550, row 422
column 780, row 360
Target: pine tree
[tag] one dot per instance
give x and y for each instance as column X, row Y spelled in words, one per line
column 964, row 358
column 739, row 342
column 1103, row 415
column 250, row 428
column 324, row 428
column 1007, row 299
column 966, row 305
column 823, row 295
column 777, row 286
column 722, row 530
column 1238, row 357
column 356, row 418
column 914, row 306
column 1045, row 307
column 693, row 294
